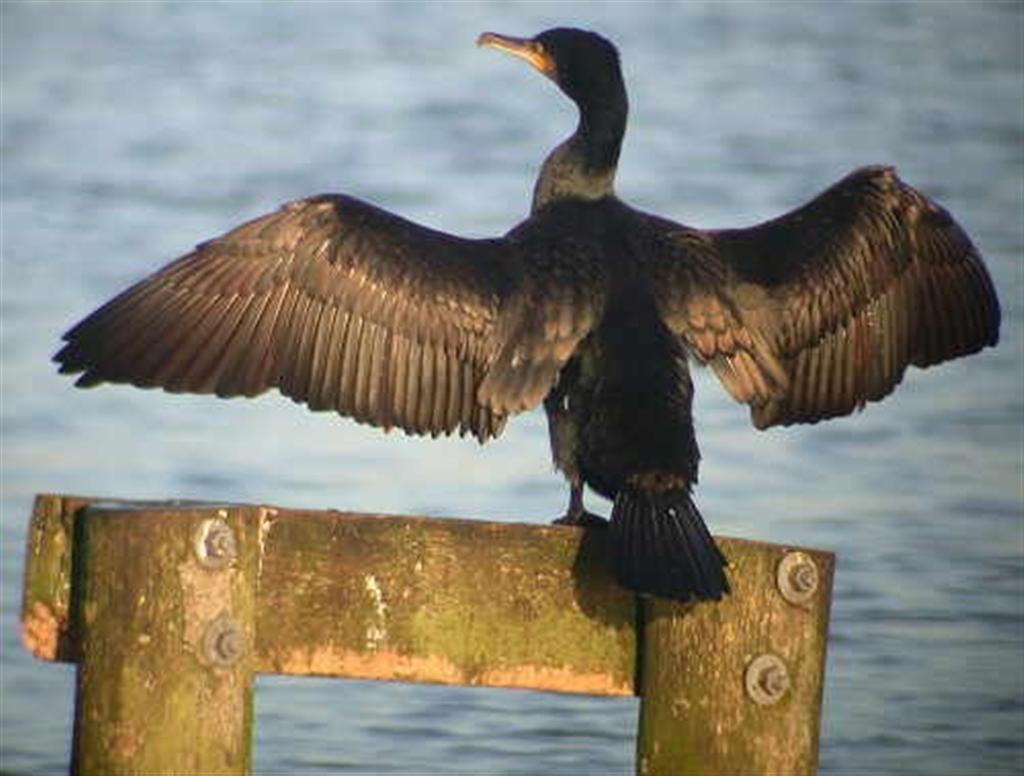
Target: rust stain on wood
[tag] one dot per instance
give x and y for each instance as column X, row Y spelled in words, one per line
column 40, row 631
column 389, row 665
column 556, row 680
column 382, row 664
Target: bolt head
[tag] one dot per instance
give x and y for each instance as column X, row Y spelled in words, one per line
column 797, row 578
column 214, row 544
column 766, row 679
column 223, row 641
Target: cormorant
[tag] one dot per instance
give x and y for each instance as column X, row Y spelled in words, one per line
column 589, row 305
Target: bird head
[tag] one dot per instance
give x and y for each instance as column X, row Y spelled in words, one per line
column 583, row 64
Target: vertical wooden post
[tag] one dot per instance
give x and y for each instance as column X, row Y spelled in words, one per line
column 164, row 614
column 736, row 687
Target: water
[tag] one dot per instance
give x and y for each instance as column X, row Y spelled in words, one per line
column 132, row 131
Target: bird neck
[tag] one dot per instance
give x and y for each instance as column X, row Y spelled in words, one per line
column 583, row 166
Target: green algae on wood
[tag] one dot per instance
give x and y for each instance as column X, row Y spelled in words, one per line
column 435, row 600
column 697, row 715
column 162, row 686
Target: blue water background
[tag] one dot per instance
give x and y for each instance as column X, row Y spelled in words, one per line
column 131, row 131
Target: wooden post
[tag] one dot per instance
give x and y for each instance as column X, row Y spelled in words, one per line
column 750, row 702
column 168, row 619
column 163, row 611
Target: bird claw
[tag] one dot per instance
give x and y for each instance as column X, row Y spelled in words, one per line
column 583, row 518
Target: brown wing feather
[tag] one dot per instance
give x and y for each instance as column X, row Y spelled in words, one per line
column 720, row 319
column 338, row 304
column 813, row 314
column 560, row 301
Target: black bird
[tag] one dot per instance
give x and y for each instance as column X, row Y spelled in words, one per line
column 590, row 305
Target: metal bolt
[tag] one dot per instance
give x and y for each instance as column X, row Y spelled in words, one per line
column 766, row 679
column 215, row 543
column 797, row 578
column 223, row 641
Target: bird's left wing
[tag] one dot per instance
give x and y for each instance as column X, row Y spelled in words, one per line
column 337, row 303
column 815, row 313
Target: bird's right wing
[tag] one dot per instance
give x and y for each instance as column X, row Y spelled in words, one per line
column 338, row 304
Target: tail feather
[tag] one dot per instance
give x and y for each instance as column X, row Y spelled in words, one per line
column 662, row 546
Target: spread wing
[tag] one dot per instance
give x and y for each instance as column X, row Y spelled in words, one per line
column 813, row 314
column 339, row 305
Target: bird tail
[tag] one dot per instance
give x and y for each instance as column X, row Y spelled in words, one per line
column 662, row 547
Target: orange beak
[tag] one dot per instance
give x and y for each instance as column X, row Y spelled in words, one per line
column 524, row 48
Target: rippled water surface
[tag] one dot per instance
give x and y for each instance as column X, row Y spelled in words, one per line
column 132, row 131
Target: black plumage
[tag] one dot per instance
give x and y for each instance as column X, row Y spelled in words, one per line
column 589, row 305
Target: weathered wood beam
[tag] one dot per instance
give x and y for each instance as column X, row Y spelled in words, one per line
column 733, row 686
column 441, row 600
column 403, row 598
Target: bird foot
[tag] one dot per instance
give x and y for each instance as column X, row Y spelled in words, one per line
column 582, row 518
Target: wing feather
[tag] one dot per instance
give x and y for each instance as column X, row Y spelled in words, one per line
column 322, row 342
column 318, row 299
column 233, row 356
column 813, row 314
column 346, row 307
column 398, row 366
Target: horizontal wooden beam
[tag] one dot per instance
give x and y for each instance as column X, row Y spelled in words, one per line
column 412, row 598
column 385, row 597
